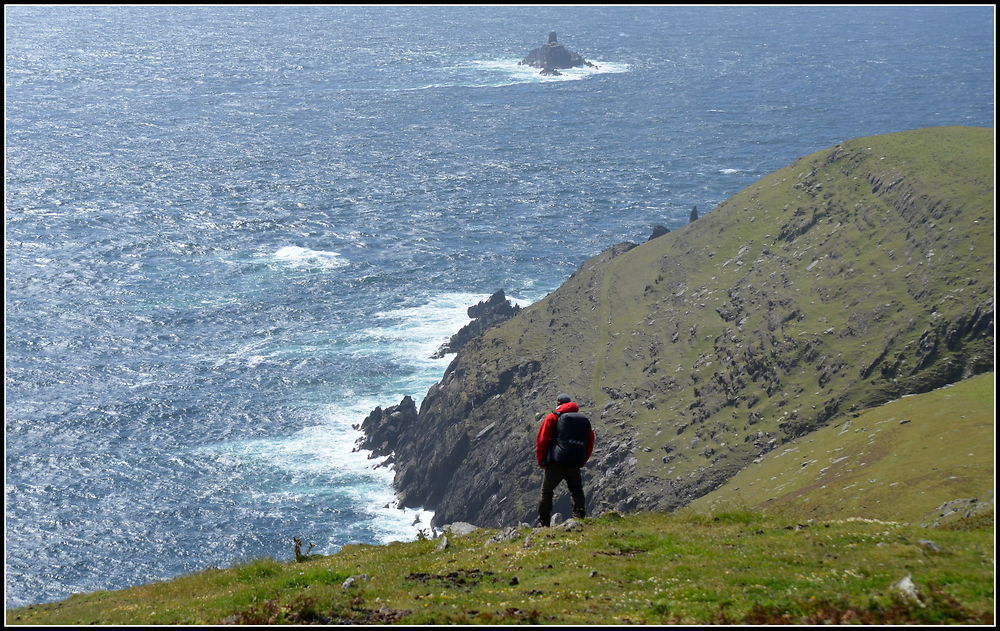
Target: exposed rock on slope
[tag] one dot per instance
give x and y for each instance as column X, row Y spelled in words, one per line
column 858, row 274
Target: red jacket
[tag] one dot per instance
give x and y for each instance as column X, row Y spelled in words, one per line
column 547, row 432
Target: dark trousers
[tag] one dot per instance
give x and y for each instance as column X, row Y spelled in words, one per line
column 554, row 474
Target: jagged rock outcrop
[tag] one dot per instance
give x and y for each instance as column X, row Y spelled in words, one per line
column 553, row 56
column 493, row 311
column 856, row 275
column 382, row 428
column 658, row 231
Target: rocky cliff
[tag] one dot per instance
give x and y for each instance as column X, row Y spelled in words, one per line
column 858, row 274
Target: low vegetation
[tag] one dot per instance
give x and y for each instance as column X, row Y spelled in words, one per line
column 926, row 459
column 731, row 567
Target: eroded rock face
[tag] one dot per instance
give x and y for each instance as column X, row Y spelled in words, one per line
column 554, row 56
column 383, row 428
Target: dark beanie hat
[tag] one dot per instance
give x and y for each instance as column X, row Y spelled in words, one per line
column 563, row 398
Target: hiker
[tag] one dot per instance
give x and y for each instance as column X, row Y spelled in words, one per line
column 564, row 444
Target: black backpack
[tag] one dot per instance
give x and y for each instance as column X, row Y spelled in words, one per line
column 572, row 435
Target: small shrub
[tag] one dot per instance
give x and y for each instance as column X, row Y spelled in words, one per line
column 660, row 608
column 301, row 610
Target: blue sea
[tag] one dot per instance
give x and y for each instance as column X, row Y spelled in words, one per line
column 232, row 231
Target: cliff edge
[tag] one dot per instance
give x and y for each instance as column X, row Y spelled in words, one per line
column 859, row 274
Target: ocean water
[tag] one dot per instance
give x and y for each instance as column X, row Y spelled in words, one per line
column 232, row 231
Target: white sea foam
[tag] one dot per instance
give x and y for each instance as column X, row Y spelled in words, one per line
column 517, row 73
column 321, row 460
column 299, row 257
column 730, row 171
column 505, row 72
column 414, row 333
column 250, row 353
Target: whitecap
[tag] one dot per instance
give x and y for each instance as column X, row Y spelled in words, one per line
column 414, row 333
column 299, row 257
column 248, row 353
column 730, row 171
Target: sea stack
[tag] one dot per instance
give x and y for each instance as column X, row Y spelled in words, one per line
column 553, row 56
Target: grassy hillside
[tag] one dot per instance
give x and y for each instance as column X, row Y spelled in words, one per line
column 736, row 567
column 904, row 460
column 859, row 274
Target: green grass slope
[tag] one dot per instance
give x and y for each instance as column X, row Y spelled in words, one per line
column 925, row 459
column 859, row 274
column 641, row 569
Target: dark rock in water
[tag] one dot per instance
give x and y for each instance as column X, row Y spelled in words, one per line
column 658, row 231
column 553, row 56
column 493, row 311
column 382, row 428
